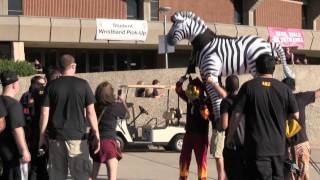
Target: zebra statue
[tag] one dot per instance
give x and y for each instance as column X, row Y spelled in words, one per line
column 220, row 55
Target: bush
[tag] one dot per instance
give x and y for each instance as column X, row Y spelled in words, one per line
column 22, row 68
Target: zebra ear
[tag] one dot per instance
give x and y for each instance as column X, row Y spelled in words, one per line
column 178, row 18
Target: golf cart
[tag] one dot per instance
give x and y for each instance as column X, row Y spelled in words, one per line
column 151, row 126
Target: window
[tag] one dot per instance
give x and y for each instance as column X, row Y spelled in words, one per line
column 134, row 9
column 108, row 62
column 94, row 62
column 81, row 60
column 51, row 59
column 5, row 50
column 15, row 7
column 154, row 10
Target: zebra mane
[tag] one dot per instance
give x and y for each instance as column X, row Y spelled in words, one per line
column 183, row 15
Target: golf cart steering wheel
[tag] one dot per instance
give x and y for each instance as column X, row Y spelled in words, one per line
column 142, row 110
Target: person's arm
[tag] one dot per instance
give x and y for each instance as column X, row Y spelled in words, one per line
column 92, row 118
column 216, row 86
column 224, row 120
column 294, row 115
column 44, row 118
column 179, row 90
column 2, row 124
column 293, row 109
column 20, row 139
column 123, row 102
column 317, row 93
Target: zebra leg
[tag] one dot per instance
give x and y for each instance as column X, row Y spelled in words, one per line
column 215, row 101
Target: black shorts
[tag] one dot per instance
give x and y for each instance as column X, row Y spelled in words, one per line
column 265, row 168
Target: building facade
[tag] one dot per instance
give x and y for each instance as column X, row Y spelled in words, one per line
column 45, row 29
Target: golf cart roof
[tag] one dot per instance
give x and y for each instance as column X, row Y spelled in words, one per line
column 148, row 86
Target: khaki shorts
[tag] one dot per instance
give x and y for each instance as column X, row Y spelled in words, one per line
column 217, row 143
column 72, row 154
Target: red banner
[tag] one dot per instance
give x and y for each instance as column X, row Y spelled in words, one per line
column 286, row 37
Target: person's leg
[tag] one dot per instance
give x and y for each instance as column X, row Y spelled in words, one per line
column 277, row 163
column 217, row 145
column 11, row 170
column 80, row 165
column 220, row 168
column 185, row 157
column 42, row 171
column 259, row 168
column 200, row 150
column 234, row 164
column 58, row 161
column 112, row 166
column 302, row 152
column 33, row 167
column 95, row 170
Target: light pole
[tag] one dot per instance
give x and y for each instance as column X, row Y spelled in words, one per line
column 164, row 9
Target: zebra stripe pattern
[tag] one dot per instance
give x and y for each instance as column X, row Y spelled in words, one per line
column 223, row 55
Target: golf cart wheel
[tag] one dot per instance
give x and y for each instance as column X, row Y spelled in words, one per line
column 120, row 143
column 177, row 143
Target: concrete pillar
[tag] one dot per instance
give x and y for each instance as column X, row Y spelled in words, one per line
column 3, row 7
column 18, row 51
column 313, row 14
column 249, row 8
column 147, row 10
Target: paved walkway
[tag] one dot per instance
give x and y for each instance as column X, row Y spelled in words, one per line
column 162, row 165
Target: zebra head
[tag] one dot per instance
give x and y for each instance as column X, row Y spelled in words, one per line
column 186, row 25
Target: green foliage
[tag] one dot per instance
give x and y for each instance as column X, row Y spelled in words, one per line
column 22, row 68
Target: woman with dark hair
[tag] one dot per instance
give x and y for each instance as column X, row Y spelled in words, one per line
column 108, row 111
column 232, row 152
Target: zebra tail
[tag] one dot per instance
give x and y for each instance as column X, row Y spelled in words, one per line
column 287, row 71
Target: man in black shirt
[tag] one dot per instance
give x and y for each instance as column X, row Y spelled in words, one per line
column 266, row 103
column 13, row 147
column 300, row 142
column 68, row 102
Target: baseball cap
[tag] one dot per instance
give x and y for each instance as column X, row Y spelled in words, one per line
column 8, row 77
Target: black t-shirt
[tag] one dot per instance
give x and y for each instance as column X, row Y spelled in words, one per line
column 266, row 102
column 14, row 119
column 195, row 123
column 108, row 121
column 67, row 98
column 3, row 109
column 303, row 99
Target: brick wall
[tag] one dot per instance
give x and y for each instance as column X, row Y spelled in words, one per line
column 76, row 8
column 211, row 11
column 276, row 13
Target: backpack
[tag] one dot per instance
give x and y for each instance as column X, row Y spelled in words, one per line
column 238, row 139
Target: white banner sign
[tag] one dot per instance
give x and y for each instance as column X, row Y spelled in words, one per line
column 118, row 29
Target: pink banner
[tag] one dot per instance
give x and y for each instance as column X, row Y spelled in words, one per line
column 286, row 37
